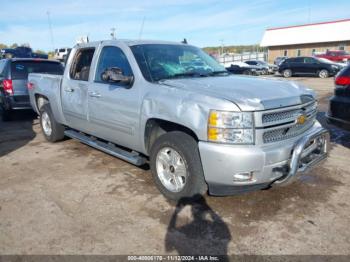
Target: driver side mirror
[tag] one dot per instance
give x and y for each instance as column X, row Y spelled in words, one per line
column 115, row 75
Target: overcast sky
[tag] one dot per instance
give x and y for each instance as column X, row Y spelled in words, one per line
column 202, row 22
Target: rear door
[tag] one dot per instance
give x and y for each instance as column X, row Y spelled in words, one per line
column 297, row 65
column 75, row 85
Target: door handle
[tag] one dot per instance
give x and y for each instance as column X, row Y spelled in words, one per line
column 94, row 94
column 70, row 90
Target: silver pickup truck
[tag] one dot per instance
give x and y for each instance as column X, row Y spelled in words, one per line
column 171, row 105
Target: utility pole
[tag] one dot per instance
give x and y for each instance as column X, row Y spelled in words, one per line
column 50, row 28
column 141, row 28
column 308, row 12
column 113, row 35
column 222, row 46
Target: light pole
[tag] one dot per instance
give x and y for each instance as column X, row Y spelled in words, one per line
column 222, row 46
column 113, row 33
column 50, row 28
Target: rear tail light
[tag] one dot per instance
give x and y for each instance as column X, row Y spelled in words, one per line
column 342, row 80
column 8, row 86
column 30, row 85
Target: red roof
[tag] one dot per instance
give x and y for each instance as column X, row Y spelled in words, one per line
column 321, row 23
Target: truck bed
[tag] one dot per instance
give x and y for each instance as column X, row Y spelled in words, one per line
column 46, row 85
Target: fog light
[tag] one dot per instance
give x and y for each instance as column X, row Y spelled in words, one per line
column 244, row 176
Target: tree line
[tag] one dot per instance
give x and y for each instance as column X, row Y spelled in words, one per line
column 238, row 49
column 14, row 45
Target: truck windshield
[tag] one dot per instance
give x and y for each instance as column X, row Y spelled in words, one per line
column 21, row 69
column 166, row 61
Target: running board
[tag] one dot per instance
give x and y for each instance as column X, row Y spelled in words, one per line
column 109, row 148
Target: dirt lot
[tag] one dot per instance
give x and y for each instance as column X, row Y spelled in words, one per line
column 67, row 198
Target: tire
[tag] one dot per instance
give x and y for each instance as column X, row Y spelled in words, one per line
column 246, row 72
column 186, row 147
column 6, row 115
column 323, row 73
column 287, row 73
column 52, row 130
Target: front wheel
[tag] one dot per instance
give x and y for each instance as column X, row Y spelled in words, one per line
column 176, row 166
column 52, row 130
column 287, row 73
column 323, row 73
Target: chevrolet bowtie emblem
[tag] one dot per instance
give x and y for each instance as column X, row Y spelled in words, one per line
column 301, row 119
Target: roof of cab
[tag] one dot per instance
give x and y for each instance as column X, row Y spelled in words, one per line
column 130, row 42
column 32, row 59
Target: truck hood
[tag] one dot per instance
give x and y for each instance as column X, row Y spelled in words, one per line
column 248, row 93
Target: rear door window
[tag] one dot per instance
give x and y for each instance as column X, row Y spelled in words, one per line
column 80, row 68
column 21, row 69
column 298, row 60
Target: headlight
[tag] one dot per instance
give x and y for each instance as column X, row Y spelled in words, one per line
column 231, row 127
column 335, row 67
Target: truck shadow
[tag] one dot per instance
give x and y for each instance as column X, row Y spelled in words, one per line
column 17, row 132
column 198, row 231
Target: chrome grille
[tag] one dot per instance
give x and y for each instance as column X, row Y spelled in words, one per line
column 287, row 132
column 288, row 115
column 281, row 124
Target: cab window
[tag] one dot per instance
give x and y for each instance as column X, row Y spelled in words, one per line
column 80, row 68
column 309, row 60
column 112, row 56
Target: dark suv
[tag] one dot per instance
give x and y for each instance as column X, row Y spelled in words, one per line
column 308, row 66
column 339, row 104
column 13, row 81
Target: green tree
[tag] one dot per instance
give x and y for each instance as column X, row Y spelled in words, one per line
column 14, row 45
column 2, row 46
column 40, row 52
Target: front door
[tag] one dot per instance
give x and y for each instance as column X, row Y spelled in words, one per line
column 113, row 107
column 75, row 90
column 311, row 65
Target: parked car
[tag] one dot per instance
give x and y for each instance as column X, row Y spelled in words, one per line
column 279, row 60
column 62, row 53
column 308, row 66
column 266, row 68
column 335, row 55
column 13, row 81
column 199, row 129
column 325, row 60
column 244, row 68
column 339, row 104
column 20, row 52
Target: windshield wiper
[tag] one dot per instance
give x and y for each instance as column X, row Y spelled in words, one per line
column 189, row 74
column 186, row 74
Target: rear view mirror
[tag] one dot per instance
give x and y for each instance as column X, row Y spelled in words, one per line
column 115, row 75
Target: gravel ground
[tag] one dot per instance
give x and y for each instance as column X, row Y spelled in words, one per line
column 67, row 198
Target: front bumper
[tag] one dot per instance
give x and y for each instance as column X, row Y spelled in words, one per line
column 275, row 163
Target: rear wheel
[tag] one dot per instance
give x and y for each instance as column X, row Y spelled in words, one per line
column 52, row 130
column 323, row 73
column 287, row 73
column 176, row 166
